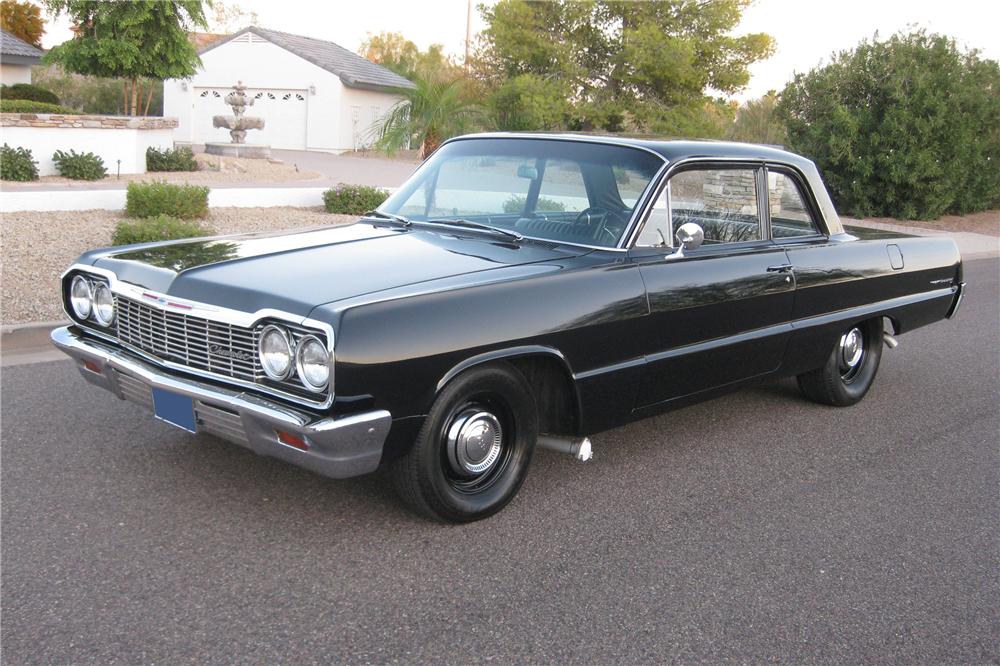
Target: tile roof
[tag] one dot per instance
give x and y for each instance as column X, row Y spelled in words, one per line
column 13, row 46
column 353, row 70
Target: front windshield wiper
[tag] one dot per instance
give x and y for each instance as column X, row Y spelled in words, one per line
column 389, row 216
column 461, row 222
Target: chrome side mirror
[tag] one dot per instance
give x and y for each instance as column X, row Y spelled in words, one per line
column 690, row 236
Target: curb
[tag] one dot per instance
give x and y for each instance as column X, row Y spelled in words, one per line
column 29, row 326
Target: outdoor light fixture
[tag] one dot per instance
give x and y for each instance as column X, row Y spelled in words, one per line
column 312, row 90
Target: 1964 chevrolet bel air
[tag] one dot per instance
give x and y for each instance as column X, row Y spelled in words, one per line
column 517, row 291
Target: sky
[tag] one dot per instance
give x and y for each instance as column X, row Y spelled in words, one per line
column 806, row 31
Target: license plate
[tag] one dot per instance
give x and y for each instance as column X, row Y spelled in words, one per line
column 174, row 408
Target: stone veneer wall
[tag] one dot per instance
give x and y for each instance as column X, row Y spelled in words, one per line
column 90, row 122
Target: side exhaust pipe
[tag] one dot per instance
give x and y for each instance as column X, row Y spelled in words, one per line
column 890, row 341
column 578, row 448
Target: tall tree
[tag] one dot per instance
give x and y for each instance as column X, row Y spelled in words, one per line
column 394, row 51
column 130, row 40
column 621, row 64
column 907, row 127
column 757, row 121
column 23, row 20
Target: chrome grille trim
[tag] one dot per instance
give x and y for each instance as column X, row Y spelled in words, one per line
column 188, row 340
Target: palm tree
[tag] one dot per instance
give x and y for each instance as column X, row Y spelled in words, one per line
column 435, row 110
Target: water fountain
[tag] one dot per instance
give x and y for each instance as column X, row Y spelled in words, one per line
column 238, row 124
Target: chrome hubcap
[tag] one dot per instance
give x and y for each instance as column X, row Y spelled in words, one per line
column 475, row 440
column 852, row 350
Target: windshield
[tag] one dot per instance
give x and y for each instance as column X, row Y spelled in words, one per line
column 571, row 191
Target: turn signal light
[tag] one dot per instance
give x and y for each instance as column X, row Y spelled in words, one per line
column 93, row 367
column 294, row 441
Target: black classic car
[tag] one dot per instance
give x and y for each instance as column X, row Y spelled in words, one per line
column 517, row 291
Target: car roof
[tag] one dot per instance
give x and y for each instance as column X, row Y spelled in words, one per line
column 672, row 150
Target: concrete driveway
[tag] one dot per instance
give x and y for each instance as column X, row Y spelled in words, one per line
column 373, row 170
column 755, row 528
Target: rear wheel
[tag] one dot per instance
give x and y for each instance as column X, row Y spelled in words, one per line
column 850, row 369
column 473, row 451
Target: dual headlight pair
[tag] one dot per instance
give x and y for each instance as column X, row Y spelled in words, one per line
column 92, row 299
column 281, row 356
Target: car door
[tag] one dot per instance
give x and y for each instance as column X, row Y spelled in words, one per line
column 719, row 314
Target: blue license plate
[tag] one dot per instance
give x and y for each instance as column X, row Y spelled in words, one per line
column 174, row 408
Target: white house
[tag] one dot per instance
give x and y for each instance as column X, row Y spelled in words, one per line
column 312, row 94
column 16, row 58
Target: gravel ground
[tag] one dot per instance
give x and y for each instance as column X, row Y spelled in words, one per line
column 231, row 170
column 35, row 248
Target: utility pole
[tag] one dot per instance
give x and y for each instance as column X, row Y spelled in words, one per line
column 468, row 33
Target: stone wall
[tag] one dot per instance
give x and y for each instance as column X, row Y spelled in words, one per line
column 734, row 191
column 90, row 122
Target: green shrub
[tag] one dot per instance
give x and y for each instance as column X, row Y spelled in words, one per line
column 170, row 159
column 29, row 92
column 28, row 106
column 160, row 198
column 159, row 228
column 79, row 166
column 353, row 199
column 906, row 128
column 17, row 164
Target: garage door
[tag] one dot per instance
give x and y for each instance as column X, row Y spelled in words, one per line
column 283, row 111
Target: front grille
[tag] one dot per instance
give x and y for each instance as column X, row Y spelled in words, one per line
column 218, row 348
column 211, row 346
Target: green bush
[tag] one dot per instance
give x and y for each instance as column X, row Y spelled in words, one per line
column 28, row 106
column 353, row 199
column 159, row 228
column 17, row 164
column 29, row 92
column 79, row 166
column 160, row 198
column 906, row 128
column 170, row 159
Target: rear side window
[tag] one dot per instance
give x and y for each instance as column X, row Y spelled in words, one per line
column 790, row 216
column 723, row 202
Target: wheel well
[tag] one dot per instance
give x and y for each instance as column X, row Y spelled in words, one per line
column 555, row 394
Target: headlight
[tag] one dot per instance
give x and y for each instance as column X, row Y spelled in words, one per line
column 104, row 304
column 313, row 363
column 81, row 297
column 275, row 352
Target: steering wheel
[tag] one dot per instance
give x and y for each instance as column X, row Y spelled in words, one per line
column 587, row 215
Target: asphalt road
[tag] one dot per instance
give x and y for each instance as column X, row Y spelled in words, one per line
column 758, row 527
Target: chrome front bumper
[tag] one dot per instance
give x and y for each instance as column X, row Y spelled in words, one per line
column 337, row 447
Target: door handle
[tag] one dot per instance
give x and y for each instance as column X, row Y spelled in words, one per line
column 781, row 268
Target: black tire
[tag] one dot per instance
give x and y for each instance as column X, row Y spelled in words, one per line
column 838, row 382
column 435, row 478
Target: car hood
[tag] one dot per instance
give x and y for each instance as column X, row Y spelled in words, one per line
column 299, row 271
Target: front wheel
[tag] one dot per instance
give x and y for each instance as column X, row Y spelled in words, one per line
column 850, row 369
column 473, row 451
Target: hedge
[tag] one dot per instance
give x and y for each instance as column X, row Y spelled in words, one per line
column 353, row 199
column 160, row 198
column 28, row 91
column 170, row 159
column 153, row 229
column 29, row 106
